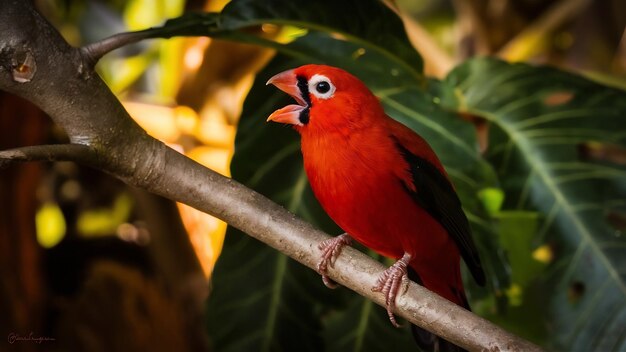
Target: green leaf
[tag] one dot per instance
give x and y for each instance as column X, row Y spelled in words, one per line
column 517, row 230
column 363, row 22
column 492, row 199
column 368, row 24
column 540, row 119
column 363, row 326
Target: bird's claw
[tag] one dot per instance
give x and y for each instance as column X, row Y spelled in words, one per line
column 389, row 284
column 331, row 248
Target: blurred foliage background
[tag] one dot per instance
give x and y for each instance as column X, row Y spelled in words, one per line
column 98, row 265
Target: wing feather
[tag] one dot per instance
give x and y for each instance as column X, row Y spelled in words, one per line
column 433, row 191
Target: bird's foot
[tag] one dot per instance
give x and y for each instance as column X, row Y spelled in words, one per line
column 331, row 248
column 390, row 282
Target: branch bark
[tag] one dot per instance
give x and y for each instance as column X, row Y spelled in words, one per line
column 65, row 86
column 54, row 152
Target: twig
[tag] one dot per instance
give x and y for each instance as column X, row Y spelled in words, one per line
column 187, row 25
column 53, row 152
column 471, row 29
column 529, row 41
column 95, row 51
column 437, row 62
column 619, row 60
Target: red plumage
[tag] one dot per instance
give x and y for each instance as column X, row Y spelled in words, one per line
column 360, row 180
column 377, row 179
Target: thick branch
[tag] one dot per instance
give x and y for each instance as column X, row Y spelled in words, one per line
column 82, row 104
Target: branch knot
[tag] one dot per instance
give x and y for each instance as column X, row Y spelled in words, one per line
column 23, row 66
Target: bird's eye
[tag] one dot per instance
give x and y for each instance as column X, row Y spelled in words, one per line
column 321, row 87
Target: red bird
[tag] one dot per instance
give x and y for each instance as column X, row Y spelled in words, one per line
column 382, row 184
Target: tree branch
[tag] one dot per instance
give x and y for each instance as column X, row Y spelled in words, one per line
column 176, row 27
column 55, row 152
column 95, row 51
column 82, row 104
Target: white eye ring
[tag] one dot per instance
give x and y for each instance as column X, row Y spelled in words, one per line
column 321, row 87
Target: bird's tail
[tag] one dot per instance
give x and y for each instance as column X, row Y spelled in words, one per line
column 426, row 340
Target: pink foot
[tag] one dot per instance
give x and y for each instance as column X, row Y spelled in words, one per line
column 389, row 284
column 331, row 248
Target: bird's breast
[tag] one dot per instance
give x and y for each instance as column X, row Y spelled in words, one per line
column 357, row 183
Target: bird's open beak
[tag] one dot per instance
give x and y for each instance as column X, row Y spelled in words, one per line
column 290, row 114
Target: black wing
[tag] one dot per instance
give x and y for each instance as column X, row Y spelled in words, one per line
column 436, row 195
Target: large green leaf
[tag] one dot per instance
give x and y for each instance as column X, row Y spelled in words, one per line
column 369, row 24
column 541, row 120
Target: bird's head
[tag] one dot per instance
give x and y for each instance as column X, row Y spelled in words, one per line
column 328, row 99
